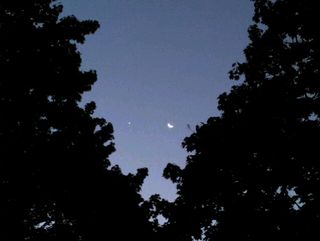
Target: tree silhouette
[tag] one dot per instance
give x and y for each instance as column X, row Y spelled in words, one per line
column 253, row 173
column 56, row 182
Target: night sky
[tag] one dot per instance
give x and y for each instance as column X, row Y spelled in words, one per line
column 161, row 65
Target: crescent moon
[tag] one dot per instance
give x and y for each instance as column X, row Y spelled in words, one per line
column 170, row 126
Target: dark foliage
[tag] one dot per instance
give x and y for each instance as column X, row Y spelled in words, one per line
column 254, row 172
column 56, row 182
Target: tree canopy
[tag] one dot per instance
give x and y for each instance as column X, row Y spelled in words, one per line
column 253, row 173
column 56, row 181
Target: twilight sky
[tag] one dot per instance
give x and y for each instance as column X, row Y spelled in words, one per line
column 160, row 62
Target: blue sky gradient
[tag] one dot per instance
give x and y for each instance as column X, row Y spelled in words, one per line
column 160, row 61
